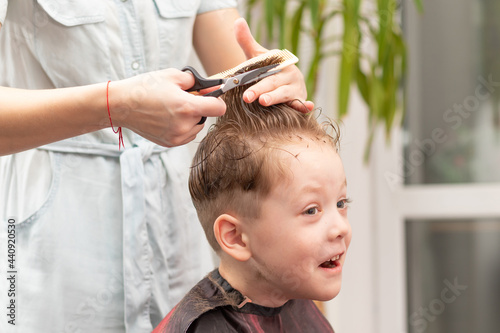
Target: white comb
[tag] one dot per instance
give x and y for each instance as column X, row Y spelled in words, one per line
column 286, row 58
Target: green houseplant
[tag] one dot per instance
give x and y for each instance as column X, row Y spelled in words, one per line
column 377, row 74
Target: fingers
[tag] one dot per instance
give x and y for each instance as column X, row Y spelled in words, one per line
column 288, row 86
column 282, row 95
column 202, row 106
column 245, row 39
column 179, row 131
column 285, row 87
column 195, row 105
column 168, row 141
column 302, row 106
column 185, row 80
column 187, row 138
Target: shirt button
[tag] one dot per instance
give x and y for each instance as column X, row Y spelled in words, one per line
column 135, row 65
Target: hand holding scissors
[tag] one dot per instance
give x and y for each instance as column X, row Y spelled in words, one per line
column 229, row 83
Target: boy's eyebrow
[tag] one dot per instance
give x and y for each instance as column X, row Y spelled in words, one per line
column 320, row 186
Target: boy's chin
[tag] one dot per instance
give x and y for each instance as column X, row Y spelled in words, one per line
column 327, row 295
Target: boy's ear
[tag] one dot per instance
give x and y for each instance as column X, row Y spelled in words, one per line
column 231, row 238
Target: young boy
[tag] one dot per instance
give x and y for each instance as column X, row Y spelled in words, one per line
column 270, row 191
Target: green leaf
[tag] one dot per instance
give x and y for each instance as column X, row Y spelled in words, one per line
column 376, row 97
column 372, row 125
column 296, row 26
column 400, row 48
column 314, row 10
column 386, row 19
column 350, row 53
column 269, row 17
column 363, row 84
column 390, row 93
column 332, row 14
column 419, row 5
column 281, row 11
column 346, row 70
column 312, row 77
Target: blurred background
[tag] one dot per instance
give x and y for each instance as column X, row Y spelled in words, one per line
column 416, row 87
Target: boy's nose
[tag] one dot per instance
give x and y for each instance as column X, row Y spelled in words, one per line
column 339, row 227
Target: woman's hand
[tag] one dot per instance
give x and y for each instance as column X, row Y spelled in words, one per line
column 287, row 86
column 155, row 106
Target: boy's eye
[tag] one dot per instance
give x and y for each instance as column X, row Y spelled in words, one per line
column 311, row 211
column 343, row 203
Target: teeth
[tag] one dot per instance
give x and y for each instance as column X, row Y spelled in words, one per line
column 331, row 262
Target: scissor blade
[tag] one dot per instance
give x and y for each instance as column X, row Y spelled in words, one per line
column 249, row 77
column 253, row 75
column 261, row 76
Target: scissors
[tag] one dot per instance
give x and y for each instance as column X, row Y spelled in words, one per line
column 228, row 83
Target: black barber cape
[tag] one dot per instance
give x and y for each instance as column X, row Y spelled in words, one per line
column 214, row 306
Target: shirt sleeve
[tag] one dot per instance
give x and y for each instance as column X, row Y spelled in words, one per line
column 209, row 5
column 3, row 10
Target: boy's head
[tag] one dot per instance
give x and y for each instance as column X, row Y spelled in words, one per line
column 270, row 191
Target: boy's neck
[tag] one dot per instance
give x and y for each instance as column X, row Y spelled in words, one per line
column 242, row 278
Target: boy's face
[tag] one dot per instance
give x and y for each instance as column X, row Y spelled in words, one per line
column 300, row 240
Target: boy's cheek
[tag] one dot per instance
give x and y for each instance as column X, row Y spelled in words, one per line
column 348, row 239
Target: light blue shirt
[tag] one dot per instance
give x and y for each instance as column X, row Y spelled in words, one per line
column 106, row 240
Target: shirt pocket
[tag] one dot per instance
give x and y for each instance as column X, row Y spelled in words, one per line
column 71, row 41
column 175, row 30
column 29, row 182
column 177, row 9
column 71, row 13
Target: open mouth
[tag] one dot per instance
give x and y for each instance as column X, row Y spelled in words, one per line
column 330, row 263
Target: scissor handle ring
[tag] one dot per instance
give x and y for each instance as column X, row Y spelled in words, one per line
column 199, row 81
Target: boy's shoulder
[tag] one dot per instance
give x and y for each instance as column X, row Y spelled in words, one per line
column 203, row 297
column 298, row 316
column 212, row 306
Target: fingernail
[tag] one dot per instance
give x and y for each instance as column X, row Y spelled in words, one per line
column 266, row 99
column 250, row 96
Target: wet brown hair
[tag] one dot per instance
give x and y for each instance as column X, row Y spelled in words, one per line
column 237, row 162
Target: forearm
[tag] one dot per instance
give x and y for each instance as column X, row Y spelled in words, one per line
column 153, row 105
column 214, row 40
column 31, row 118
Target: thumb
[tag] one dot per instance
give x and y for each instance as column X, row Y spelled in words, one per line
column 244, row 37
column 184, row 80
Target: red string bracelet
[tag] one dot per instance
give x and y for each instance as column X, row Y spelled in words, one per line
column 119, row 130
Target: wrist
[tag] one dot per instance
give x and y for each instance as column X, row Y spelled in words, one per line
column 117, row 98
column 118, row 130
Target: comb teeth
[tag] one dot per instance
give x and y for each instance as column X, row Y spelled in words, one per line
column 286, row 57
